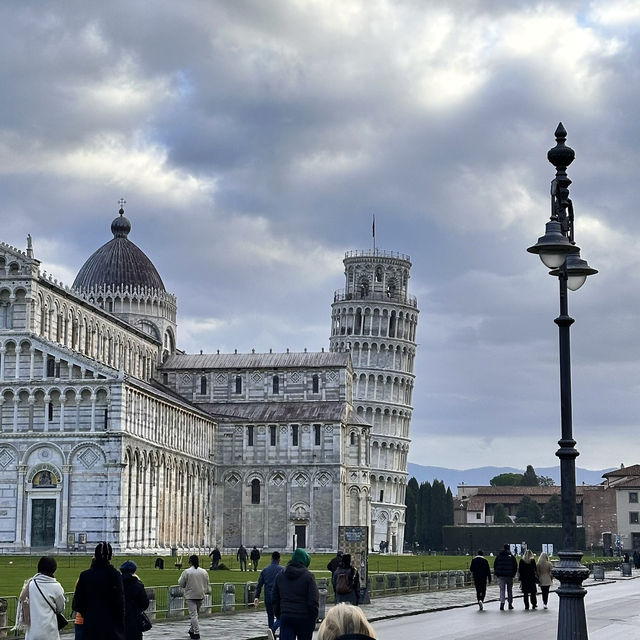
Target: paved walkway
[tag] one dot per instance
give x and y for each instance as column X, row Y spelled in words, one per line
column 251, row 624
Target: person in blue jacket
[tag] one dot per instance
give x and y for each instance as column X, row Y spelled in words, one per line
column 267, row 577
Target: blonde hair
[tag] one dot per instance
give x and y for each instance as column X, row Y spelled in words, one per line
column 344, row 618
column 529, row 555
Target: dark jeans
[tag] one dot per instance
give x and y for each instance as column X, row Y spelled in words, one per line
column 534, row 600
column 243, row 564
column 481, row 588
column 79, row 629
column 545, row 594
column 271, row 621
column 255, row 564
column 292, row 628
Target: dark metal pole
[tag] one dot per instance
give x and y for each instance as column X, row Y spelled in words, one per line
column 572, row 622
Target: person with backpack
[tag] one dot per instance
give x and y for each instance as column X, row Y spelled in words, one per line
column 346, row 582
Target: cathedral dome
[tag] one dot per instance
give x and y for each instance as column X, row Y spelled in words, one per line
column 119, row 263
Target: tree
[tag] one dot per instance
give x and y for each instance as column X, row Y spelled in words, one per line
column 552, row 510
column 529, row 477
column 528, row 511
column 546, row 481
column 500, row 515
column 506, row 480
column 411, row 501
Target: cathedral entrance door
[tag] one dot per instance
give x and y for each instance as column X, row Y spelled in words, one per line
column 43, row 522
column 301, row 535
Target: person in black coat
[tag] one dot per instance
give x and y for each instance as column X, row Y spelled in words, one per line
column 99, row 598
column 135, row 600
column 528, row 578
column 505, row 569
column 351, row 579
column 481, row 574
column 296, row 599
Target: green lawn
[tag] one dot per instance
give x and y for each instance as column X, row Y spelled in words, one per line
column 14, row 570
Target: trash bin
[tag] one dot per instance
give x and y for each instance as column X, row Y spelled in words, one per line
column 322, row 606
column 598, row 572
column 626, row 568
column 250, row 593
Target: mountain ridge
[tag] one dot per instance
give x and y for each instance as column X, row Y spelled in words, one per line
column 482, row 475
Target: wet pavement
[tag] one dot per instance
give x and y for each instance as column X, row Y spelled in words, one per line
column 251, row 624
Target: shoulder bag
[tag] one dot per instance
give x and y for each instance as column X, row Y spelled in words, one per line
column 61, row 620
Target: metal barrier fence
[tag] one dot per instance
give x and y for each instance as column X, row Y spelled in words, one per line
column 168, row 601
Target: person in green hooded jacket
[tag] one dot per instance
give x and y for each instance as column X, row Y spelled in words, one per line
column 295, row 598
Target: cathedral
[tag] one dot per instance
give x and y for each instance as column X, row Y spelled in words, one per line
column 108, row 431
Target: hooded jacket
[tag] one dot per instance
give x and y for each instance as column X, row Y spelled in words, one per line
column 135, row 600
column 295, row 593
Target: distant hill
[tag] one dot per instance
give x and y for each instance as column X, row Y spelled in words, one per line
column 481, row 475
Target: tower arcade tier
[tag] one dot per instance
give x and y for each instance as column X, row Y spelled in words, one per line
column 375, row 318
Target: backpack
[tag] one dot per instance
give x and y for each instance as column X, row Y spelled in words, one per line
column 344, row 582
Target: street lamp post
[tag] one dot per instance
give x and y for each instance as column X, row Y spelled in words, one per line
column 558, row 251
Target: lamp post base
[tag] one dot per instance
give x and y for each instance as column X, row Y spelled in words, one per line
column 572, row 621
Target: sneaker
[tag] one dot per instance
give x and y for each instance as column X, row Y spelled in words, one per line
column 510, row 606
column 545, row 606
column 535, row 606
column 502, row 606
column 480, row 605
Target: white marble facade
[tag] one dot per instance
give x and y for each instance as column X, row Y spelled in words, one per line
column 107, row 431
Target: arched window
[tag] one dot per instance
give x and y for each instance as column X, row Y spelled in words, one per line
column 352, row 438
column 203, row 385
column 364, row 287
column 255, row 491
column 51, row 367
column 276, row 385
column 238, row 384
column 315, row 382
column 378, row 274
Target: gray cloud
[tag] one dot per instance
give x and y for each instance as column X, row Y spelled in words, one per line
column 253, row 142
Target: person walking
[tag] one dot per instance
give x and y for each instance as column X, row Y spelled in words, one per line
column 241, row 557
column 636, row 559
column 296, row 598
column 545, row 577
column 528, row 576
column 346, row 582
column 255, row 557
column 481, row 572
column 505, row 569
column 216, row 557
column 345, row 621
column 99, row 598
column 195, row 582
column 334, row 563
column 45, row 597
column 266, row 580
column 135, row 600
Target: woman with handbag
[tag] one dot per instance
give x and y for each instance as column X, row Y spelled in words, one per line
column 135, row 602
column 43, row 597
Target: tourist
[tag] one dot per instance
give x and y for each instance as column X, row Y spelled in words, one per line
column 99, row 598
column 334, row 563
column 267, row 578
column 545, row 577
column 195, row 582
column 241, row 557
column 481, row 572
column 45, row 597
column 216, row 557
column 255, row 557
column 505, row 569
column 346, row 582
column 527, row 571
column 135, row 600
column 636, row 559
column 345, row 621
column 296, row 599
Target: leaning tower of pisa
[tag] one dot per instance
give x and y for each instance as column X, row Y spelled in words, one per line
column 375, row 318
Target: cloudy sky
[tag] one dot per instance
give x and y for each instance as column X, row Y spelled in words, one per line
column 254, row 140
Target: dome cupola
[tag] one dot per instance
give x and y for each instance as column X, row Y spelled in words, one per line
column 118, row 263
